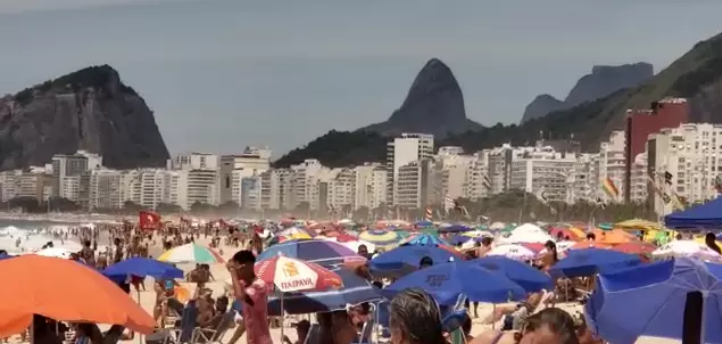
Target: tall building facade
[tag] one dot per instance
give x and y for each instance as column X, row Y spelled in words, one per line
column 403, row 150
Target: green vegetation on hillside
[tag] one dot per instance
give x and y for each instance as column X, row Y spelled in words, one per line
column 590, row 122
column 338, row 149
column 96, row 76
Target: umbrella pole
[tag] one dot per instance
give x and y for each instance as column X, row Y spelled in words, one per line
column 493, row 315
column 282, row 313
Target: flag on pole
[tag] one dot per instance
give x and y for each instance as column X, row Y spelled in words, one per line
column 610, row 189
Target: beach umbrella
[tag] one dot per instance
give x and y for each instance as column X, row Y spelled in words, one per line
column 511, row 251
column 660, row 294
column 525, row 275
column 143, row 267
column 405, row 259
column 635, row 248
column 478, row 233
column 589, row 261
column 588, row 244
column 566, row 232
column 425, row 240
column 295, row 233
column 355, row 290
column 687, row 248
column 291, row 275
column 540, row 237
column 423, row 223
column 191, row 253
column 380, row 237
column 459, row 240
column 447, row 281
column 63, row 290
column 314, row 250
column 455, row 229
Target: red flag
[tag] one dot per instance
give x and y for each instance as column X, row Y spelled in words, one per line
column 148, row 219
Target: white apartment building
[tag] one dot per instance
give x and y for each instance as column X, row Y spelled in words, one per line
column 105, row 190
column 585, row 178
column 692, row 153
column 371, row 187
column 341, row 190
column 149, row 187
column 251, row 193
column 195, row 161
column 477, row 183
column 19, row 183
column 534, row 169
column 400, row 152
column 197, row 186
column 276, row 189
column 64, row 167
column 414, row 184
column 499, row 168
column 305, row 179
column 451, row 172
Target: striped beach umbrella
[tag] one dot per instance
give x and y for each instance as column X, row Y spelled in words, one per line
column 290, row 275
column 191, row 253
column 380, row 237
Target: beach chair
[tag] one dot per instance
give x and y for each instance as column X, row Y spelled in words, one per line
column 177, row 334
column 205, row 335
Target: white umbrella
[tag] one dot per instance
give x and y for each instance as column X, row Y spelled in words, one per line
column 512, row 251
column 528, row 237
column 687, row 248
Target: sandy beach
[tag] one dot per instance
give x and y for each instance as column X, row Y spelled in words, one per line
column 147, row 301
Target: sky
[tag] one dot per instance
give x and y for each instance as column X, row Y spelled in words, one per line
column 224, row 74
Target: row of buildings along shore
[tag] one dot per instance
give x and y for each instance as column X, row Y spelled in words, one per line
column 658, row 158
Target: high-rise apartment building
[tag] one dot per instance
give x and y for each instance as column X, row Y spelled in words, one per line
column 400, row 152
column 692, row 155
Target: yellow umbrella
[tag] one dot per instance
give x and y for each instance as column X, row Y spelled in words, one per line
column 299, row 236
column 636, row 224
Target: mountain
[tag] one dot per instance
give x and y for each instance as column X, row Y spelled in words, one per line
column 434, row 105
column 601, row 82
column 541, row 106
column 697, row 76
column 90, row 109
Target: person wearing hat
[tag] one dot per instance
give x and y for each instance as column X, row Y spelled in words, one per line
column 302, row 328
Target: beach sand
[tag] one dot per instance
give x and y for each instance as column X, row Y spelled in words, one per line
column 147, row 301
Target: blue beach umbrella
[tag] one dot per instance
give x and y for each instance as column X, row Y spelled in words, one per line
column 525, row 275
column 447, row 281
column 405, row 259
column 318, row 251
column 589, row 261
column 143, row 267
column 459, row 240
column 426, row 240
column 423, row 223
column 652, row 299
column 355, row 290
column 455, row 229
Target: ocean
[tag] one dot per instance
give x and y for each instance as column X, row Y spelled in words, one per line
column 16, row 235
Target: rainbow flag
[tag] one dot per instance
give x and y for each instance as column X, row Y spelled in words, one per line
column 610, row 189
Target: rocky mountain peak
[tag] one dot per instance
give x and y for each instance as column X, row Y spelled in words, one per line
column 601, row 82
column 90, row 109
column 433, row 105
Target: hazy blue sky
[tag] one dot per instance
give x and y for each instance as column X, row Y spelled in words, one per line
column 221, row 75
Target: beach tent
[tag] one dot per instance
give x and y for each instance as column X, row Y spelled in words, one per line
column 705, row 216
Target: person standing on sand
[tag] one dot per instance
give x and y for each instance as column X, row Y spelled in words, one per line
column 252, row 293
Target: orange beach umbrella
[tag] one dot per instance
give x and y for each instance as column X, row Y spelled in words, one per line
column 64, row 290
